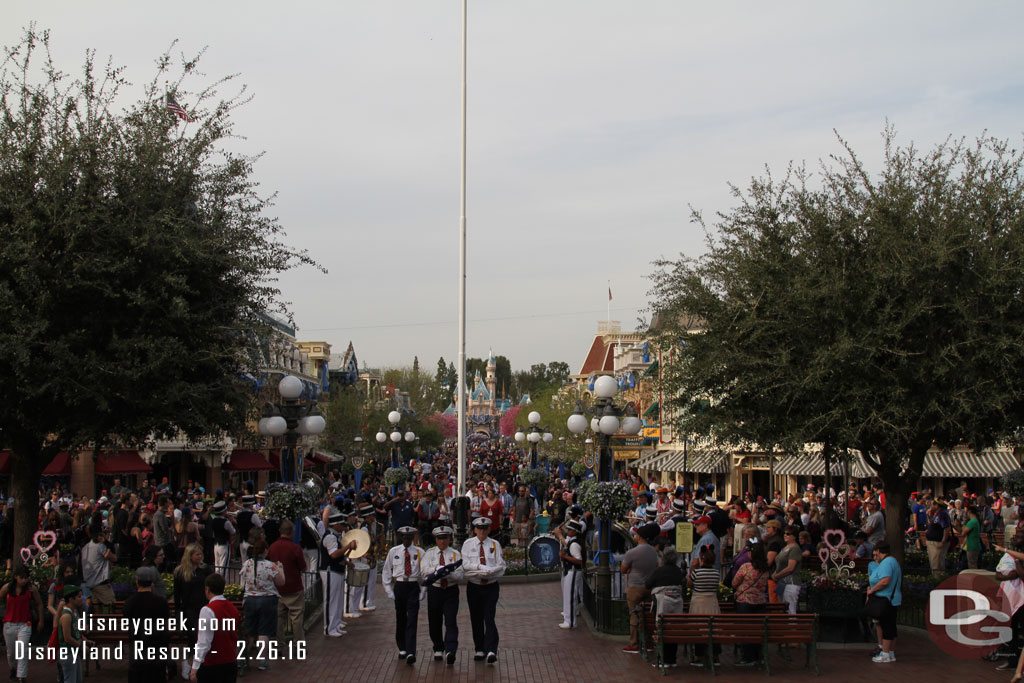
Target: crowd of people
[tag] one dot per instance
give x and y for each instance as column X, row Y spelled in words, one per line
column 206, row 540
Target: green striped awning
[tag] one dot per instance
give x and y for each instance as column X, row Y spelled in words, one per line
column 813, row 465
column 651, row 370
column 699, row 462
column 991, row 462
column 653, row 461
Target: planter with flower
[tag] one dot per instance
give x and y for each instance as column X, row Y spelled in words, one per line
column 606, row 499
column 397, row 476
column 289, row 501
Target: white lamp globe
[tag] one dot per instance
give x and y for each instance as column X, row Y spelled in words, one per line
column 311, row 425
column 609, row 424
column 396, row 436
column 261, row 426
column 576, row 423
column 276, row 426
column 605, row 386
column 534, row 437
column 632, row 425
column 548, row 437
column 520, row 436
column 589, row 440
column 394, row 416
column 290, row 387
column 381, row 437
column 409, row 436
column 533, row 417
column 595, row 424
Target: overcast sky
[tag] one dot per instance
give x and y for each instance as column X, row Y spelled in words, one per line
column 593, row 126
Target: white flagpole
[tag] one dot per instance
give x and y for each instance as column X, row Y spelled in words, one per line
column 461, row 481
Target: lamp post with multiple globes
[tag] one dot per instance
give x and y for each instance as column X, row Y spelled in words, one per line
column 534, row 435
column 606, row 419
column 291, row 417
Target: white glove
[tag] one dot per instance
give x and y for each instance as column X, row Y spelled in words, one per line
column 390, row 594
column 423, row 594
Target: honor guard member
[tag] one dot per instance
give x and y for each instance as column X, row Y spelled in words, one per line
column 364, row 594
column 223, row 530
column 443, row 596
column 483, row 562
column 401, row 580
column 333, row 559
column 247, row 520
column 572, row 574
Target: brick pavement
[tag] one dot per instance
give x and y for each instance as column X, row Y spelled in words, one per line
column 533, row 648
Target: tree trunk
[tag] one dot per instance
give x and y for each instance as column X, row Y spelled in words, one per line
column 897, row 486
column 26, row 470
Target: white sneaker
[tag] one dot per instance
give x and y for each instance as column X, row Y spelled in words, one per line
column 368, row 608
column 884, row 658
column 337, row 634
column 564, row 625
column 438, row 655
column 351, row 615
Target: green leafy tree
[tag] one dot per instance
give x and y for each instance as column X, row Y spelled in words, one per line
column 346, row 417
column 136, row 263
column 879, row 313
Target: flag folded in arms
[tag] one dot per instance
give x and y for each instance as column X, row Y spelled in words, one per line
column 178, row 110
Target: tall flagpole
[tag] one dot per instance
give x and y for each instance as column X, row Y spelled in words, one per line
column 461, row 482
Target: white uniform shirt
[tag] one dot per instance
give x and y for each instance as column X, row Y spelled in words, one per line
column 394, row 567
column 332, row 541
column 495, row 566
column 432, row 562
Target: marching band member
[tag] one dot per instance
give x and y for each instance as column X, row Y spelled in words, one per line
column 572, row 575
column 483, row 563
column 365, row 595
column 352, row 593
column 401, row 581
column 333, row 558
column 443, row 596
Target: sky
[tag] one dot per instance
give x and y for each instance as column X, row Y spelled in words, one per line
column 593, row 129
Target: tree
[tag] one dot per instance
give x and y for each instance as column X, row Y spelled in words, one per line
column 346, row 418
column 424, row 394
column 136, row 264
column 880, row 313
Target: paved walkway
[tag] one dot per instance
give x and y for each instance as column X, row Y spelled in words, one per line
column 533, row 648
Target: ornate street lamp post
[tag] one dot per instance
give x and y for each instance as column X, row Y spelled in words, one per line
column 396, row 436
column 534, row 435
column 291, row 417
column 606, row 419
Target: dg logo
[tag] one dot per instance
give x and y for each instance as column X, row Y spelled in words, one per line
column 968, row 617
column 590, row 461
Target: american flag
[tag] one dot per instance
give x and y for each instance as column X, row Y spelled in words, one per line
column 178, row 110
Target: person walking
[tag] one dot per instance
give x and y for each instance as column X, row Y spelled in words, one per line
column 216, row 651
column 483, row 562
column 146, row 606
column 20, row 596
column 401, row 581
column 190, row 587
column 884, row 579
column 291, row 603
column 443, row 595
column 638, row 565
column 332, row 562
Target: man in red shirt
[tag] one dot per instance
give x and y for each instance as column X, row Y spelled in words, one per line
column 290, row 604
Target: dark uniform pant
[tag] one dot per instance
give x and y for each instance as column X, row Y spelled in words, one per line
column 483, row 603
column 443, row 610
column 407, row 611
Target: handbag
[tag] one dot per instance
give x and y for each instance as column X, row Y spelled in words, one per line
column 876, row 606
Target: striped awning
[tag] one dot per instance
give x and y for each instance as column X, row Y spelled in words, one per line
column 696, row 461
column 991, row 462
column 813, row 465
column 653, row 461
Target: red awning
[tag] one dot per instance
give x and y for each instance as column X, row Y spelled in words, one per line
column 59, row 466
column 122, row 462
column 320, row 458
column 245, row 461
column 5, row 462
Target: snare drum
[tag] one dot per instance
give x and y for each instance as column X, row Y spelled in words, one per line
column 358, row 574
column 543, row 552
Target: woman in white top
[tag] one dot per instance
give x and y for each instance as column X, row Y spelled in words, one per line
column 260, row 579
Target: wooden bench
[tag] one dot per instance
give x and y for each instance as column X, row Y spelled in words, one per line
column 738, row 629
column 648, row 624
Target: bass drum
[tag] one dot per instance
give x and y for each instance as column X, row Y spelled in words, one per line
column 542, row 552
column 621, row 539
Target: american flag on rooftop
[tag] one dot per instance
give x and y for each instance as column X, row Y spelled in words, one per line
column 178, row 110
